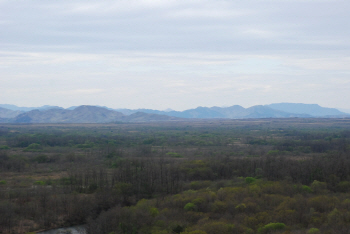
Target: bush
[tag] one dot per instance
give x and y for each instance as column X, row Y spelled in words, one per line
column 313, row 231
column 241, row 207
column 219, row 227
column 343, row 186
column 33, row 147
column 306, row 189
column 190, row 207
column 271, row 227
column 194, row 232
column 154, row 211
column 39, row 182
column 250, row 180
column 334, row 217
column 318, row 187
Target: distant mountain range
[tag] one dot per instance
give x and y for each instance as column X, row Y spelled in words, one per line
column 80, row 114
column 277, row 110
column 99, row 114
column 309, row 109
column 24, row 109
column 233, row 112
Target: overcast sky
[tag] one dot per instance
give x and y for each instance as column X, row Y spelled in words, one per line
column 176, row 54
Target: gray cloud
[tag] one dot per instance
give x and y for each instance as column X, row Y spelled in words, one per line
column 178, row 54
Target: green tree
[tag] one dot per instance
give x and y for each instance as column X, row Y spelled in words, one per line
column 271, row 227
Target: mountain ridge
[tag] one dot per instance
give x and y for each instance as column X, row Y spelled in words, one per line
column 25, row 109
column 7, row 113
column 102, row 114
column 310, row 109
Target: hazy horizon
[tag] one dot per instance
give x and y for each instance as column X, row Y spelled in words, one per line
column 169, row 109
column 174, row 54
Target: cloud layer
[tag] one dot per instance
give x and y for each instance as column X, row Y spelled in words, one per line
column 177, row 54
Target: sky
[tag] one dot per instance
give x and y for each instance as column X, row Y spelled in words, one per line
column 177, row 54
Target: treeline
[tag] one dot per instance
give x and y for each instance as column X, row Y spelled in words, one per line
column 147, row 177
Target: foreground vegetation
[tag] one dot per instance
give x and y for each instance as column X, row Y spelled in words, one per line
column 234, row 176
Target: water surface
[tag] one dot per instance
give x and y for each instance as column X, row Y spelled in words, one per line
column 69, row 230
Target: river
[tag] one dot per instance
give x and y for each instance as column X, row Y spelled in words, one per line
column 69, row 230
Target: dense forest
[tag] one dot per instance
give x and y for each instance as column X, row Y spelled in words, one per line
column 200, row 177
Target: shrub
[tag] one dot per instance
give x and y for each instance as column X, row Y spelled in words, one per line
column 306, row 189
column 190, row 207
column 313, row 231
column 241, row 207
column 273, row 153
column 318, row 187
column 194, row 232
column 334, row 217
column 343, row 186
column 271, row 227
column 323, row 203
column 33, row 147
column 39, row 182
column 215, row 227
column 250, row 180
column 346, row 204
column 154, row 211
